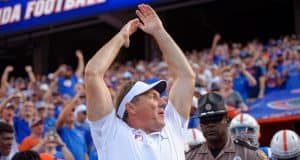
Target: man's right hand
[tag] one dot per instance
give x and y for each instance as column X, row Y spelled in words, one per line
column 129, row 29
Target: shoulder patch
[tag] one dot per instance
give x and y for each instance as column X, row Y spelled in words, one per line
column 261, row 155
column 244, row 144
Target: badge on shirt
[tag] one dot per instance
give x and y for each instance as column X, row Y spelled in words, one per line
column 237, row 158
column 138, row 135
column 261, row 155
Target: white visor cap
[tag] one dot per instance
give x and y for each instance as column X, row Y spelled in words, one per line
column 139, row 88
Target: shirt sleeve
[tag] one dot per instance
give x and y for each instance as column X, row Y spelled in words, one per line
column 178, row 122
column 28, row 144
column 18, row 130
column 24, row 145
column 104, row 129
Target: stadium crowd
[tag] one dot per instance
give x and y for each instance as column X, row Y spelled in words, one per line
column 48, row 114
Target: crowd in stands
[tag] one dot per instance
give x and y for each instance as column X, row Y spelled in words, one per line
column 48, row 113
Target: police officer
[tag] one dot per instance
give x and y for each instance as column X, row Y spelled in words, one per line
column 219, row 145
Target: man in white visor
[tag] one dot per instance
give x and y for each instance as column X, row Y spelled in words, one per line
column 143, row 126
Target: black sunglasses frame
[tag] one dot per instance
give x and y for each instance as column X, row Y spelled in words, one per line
column 212, row 119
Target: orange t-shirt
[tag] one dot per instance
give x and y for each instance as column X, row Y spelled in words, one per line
column 46, row 156
column 28, row 143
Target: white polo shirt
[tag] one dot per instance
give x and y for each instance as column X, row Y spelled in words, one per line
column 115, row 140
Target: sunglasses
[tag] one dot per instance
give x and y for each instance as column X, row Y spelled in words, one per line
column 212, row 119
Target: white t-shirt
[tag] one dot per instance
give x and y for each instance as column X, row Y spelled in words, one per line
column 115, row 140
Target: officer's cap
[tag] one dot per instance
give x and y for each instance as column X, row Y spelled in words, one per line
column 211, row 104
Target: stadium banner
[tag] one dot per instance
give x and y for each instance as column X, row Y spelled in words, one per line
column 19, row 15
column 279, row 106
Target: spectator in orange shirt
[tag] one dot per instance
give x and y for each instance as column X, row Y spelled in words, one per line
column 53, row 148
column 37, row 129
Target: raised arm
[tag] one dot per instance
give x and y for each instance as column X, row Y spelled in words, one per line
column 99, row 102
column 243, row 107
column 262, row 81
column 250, row 78
column 48, row 95
column 217, row 38
column 6, row 101
column 66, row 111
column 30, row 73
column 4, row 78
column 80, row 66
column 182, row 89
column 62, row 68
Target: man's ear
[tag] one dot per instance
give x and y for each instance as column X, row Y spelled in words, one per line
column 130, row 108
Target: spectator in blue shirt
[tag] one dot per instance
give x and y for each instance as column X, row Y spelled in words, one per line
column 47, row 114
column 22, row 122
column 67, row 80
column 256, row 91
column 292, row 65
column 241, row 79
column 82, row 125
column 273, row 78
column 73, row 137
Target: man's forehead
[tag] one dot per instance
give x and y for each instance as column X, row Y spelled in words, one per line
column 153, row 91
column 150, row 92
